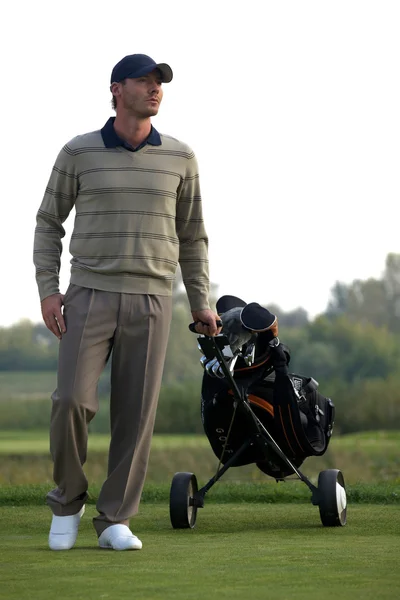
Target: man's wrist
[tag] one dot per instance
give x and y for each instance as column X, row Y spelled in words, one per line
column 46, row 292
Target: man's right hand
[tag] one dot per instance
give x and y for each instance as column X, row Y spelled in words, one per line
column 52, row 314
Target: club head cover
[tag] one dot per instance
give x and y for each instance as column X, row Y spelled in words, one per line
column 259, row 320
column 232, row 327
column 226, row 303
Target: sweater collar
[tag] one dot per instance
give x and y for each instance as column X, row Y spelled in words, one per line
column 111, row 138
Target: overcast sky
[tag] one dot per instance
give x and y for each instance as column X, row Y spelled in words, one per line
column 291, row 106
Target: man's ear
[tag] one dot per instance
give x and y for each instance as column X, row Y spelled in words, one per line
column 114, row 88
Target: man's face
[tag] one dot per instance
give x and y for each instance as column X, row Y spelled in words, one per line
column 142, row 96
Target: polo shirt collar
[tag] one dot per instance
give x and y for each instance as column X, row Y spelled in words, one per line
column 111, row 138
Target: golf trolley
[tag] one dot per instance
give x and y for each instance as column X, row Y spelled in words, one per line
column 255, row 411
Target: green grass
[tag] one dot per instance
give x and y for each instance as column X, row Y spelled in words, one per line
column 30, row 385
column 236, row 551
column 371, row 457
column 27, row 385
column 37, row 442
column 266, row 492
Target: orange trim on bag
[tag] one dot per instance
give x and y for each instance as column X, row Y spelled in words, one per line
column 253, row 366
column 259, row 402
column 262, row 404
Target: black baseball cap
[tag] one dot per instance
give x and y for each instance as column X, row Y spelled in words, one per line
column 137, row 65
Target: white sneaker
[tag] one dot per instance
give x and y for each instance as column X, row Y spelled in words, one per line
column 64, row 531
column 119, row 537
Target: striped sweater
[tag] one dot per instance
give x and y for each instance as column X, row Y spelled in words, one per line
column 137, row 214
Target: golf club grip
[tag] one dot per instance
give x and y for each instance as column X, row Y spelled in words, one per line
column 193, row 325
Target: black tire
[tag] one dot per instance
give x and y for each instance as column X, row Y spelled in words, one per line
column 181, row 510
column 332, row 498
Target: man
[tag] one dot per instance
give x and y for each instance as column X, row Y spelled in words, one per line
column 138, row 213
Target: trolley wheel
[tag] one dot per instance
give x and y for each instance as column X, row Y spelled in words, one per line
column 181, row 510
column 332, row 498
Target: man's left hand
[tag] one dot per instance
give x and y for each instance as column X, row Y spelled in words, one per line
column 206, row 322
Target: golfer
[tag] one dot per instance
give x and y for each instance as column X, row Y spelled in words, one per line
column 138, row 213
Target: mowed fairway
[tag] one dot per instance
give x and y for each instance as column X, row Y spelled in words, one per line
column 237, row 551
column 254, row 539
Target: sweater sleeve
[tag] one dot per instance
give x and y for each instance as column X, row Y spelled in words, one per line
column 57, row 203
column 193, row 240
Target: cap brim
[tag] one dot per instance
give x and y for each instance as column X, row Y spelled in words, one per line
column 165, row 70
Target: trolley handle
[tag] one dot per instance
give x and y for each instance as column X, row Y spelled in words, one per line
column 193, row 325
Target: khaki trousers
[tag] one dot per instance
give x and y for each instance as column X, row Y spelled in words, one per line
column 136, row 328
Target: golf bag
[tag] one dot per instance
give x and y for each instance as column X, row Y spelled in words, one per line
column 290, row 407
